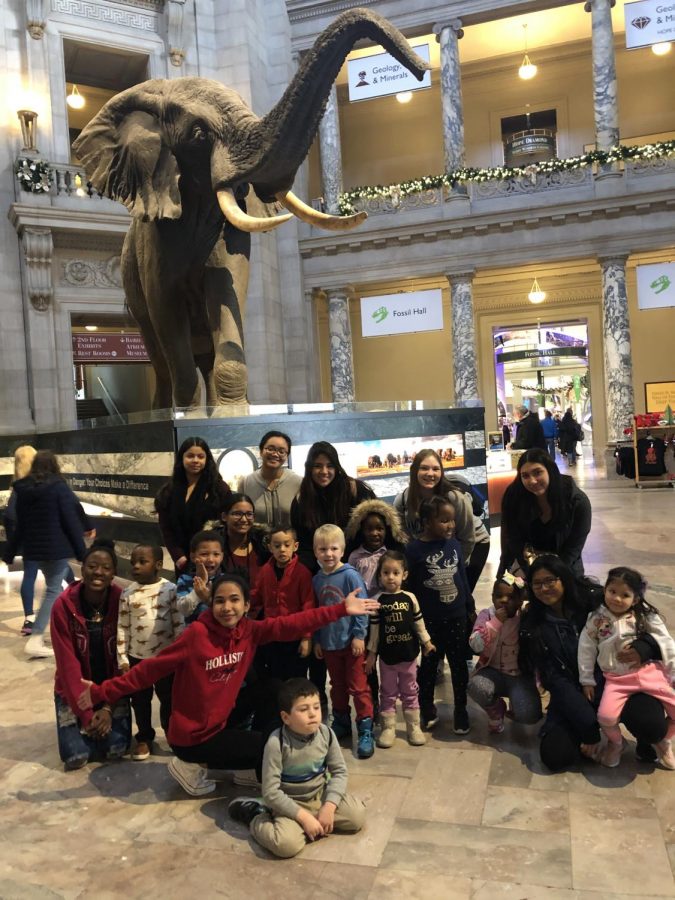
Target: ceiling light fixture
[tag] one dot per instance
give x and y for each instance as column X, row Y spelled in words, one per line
column 404, row 97
column 527, row 69
column 91, row 327
column 661, row 49
column 75, row 100
column 536, row 294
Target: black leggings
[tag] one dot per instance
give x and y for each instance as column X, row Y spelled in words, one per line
column 642, row 715
column 449, row 638
column 234, row 747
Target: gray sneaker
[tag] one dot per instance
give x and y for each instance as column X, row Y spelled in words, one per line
column 191, row 777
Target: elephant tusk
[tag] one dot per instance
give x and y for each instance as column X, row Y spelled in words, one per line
column 319, row 219
column 241, row 220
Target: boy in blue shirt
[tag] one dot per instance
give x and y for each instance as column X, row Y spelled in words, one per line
column 342, row 643
column 193, row 589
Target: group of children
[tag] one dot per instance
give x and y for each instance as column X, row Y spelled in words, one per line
column 422, row 603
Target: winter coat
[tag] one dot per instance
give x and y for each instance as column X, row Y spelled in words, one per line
column 568, row 433
column 529, row 434
column 567, row 540
column 48, row 524
column 70, row 639
column 366, row 561
column 291, row 593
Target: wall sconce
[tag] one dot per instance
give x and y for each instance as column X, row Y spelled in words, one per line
column 75, row 100
column 404, row 97
column 661, row 49
column 527, row 69
column 28, row 120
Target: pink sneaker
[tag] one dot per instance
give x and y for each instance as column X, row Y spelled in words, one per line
column 612, row 755
column 495, row 714
column 664, row 751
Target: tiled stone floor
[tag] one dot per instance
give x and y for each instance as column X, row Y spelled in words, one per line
column 460, row 818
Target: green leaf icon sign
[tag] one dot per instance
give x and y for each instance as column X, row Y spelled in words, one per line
column 380, row 314
column 661, row 284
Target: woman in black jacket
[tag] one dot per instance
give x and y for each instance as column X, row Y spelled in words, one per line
column 543, row 512
column 195, row 494
column 327, row 496
column 48, row 532
column 569, row 432
column 558, row 608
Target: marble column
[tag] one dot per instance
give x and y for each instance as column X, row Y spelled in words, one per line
column 448, row 35
column 331, row 154
column 464, row 352
column 620, row 399
column 340, row 336
column 605, row 107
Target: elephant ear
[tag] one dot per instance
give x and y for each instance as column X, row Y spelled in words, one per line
column 126, row 159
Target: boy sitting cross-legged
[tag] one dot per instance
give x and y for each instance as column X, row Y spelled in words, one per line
column 304, row 779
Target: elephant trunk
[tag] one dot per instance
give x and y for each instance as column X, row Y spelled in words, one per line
column 286, row 133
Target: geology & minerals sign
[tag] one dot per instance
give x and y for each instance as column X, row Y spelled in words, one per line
column 402, row 313
column 649, row 22
column 381, row 74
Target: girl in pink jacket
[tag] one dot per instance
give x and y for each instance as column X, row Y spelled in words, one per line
column 495, row 639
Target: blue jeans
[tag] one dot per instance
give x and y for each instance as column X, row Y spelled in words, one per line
column 54, row 571
column 550, row 447
column 30, row 570
column 76, row 748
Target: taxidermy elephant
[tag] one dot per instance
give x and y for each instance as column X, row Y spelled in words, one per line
column 199, row 172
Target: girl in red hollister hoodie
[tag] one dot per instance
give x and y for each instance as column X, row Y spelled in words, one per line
column 210, row 661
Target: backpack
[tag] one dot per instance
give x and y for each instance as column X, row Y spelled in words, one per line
column 579, row 432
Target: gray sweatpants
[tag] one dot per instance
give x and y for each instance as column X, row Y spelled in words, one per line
column 488, row 684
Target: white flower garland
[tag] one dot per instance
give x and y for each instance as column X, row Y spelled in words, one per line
column 396, row 192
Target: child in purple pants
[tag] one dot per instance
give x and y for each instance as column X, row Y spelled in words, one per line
column 396, row 632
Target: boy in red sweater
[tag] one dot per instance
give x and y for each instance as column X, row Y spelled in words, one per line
column 283, row 587
column 210, row 661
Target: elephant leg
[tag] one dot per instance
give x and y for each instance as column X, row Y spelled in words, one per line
column 138, row 308
column 225, row 286
column 170, row 319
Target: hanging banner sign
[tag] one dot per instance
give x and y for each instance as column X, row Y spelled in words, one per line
column 402, row 313
column 649, row 22
column 543, row 353
column 656, row 285
column 381, row 74
column 97, row 347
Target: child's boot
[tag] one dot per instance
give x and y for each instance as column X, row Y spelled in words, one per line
column 342, row 725
column 664, row 751
column 412, row 724
column 388, row 732
column 366, row 744
column 495, row 714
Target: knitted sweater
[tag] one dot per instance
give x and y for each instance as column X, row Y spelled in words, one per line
column 298, row 767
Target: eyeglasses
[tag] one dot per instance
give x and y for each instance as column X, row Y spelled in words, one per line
column 276, row 451
column 237, row 514
column 544, row 584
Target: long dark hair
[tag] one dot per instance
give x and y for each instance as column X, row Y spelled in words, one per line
column 519, row 505
column 320, row 506
column 632, row 579
column 210, row 482
column 45, row 466
column 441, row 489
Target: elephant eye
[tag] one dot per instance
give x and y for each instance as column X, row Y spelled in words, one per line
column 199, row 132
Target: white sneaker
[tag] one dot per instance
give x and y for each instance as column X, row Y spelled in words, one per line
column 246, row 778
column 191, row 777
column 36, row 648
